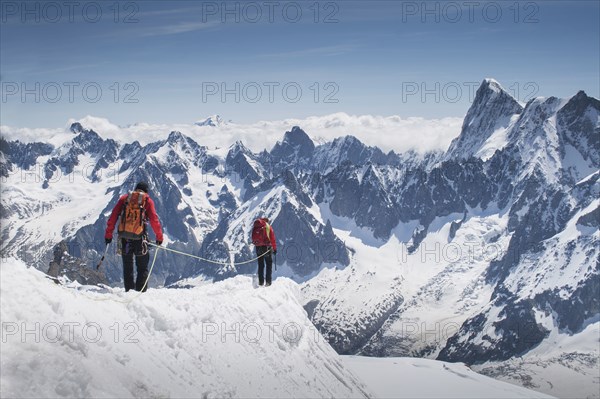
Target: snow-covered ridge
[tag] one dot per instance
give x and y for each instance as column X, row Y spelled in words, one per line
column 222, row 340
column 227, row 339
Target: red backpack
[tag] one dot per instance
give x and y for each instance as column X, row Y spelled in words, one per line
column 260, row 233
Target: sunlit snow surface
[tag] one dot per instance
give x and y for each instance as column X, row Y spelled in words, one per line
column 228, row 339
column 401, row 377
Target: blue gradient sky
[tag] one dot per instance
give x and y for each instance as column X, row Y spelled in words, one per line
column 371, row 51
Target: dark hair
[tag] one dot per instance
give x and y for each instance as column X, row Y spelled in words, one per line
column 266, row 219
column 142, row 186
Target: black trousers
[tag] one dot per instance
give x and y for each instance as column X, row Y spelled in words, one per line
column 129, row 249
column 261, row 264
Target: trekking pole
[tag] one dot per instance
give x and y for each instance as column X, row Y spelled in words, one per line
column 275, row 261
column 103, row 255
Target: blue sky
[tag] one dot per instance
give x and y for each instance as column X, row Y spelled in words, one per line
column 377, row 57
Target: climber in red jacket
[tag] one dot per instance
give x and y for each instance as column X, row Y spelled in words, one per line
column 134, row 209
column 263, row 237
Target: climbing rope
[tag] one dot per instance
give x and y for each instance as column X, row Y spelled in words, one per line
column 208, row 260
column 154, row 261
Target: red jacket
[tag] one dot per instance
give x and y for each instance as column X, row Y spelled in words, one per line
column 150, row 215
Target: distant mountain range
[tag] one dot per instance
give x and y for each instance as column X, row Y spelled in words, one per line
column 482, row 254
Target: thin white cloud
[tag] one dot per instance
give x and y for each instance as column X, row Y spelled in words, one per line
column 55, row 136
column 388, row 133
column 174, row 29
column 170, row 11
column 324, row 50
column 73, row 67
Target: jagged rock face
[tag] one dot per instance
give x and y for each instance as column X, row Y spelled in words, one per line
column 295, row 145
column 241, row 161
column 376, row 209
column 306, row 249
column 577, row 125
column 491, row 110
column 305, row 244
column 518, row 328
column 534, row 182
column 344, row 185
column 348, row 149
column 546, row 197
column 591, row 219
column 19, row 155
column 297, row 151
column 73, row 268
column 573, row 312
column 76, row 128
column 104, row 153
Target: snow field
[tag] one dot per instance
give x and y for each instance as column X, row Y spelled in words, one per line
column 226, row 339
column 394, row 377
column 222, row 340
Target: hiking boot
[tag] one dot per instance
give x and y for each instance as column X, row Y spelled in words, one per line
column 268, row 284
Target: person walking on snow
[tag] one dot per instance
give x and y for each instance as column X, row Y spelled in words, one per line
column 263, row 237
column 135, row 209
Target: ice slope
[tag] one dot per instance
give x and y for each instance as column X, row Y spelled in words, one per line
column 221, row 340
column 394, row 377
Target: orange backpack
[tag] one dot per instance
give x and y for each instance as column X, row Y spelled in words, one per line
column 133, row 217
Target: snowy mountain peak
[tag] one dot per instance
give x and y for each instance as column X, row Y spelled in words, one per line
column 87, row 139
column 76, row 128
column 491, row 91
column 178, row 140
column 347, row 140
column 298, row 137
column 580, row 101
column 296, row 144
column 238, row 147
column 492, row 84
column 578, row 123
column 580, row 95
column 176, row 136
column 349, row 143
column 484, row 128
column 213, row 121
